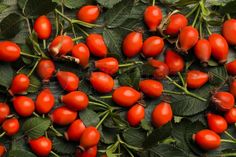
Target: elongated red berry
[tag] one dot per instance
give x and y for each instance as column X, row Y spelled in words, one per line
column 20, row 84
column 96, row 45
column 81, row 51
column 9, row 51
column 202, row 50
column 196, row 79
column 75, row 130
column 44, row 101
column 43, row 27
column 107, row 65
column 152, row 17
column 68, row 80
column 46, row 69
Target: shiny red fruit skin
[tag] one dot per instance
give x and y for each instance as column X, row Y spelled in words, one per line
column 196, row 79
column 90, row 152
column 152, row 17
column 219, row 47
column 135, row 115
column 109, row 65
column 9, row 51
column 96, row 45
column 75, row 130
column 162, row 114
column 2, row 150
column 89, row 138
column 232, row 88
column 131, row 39
column 41, row 146
column 88, row 13
column 44, row 101
column 125, row 96
column 23, row 105
column 43, row 27
column 75, row 100
column 224, row 101
column 231, row 67
column 81, row 51
column 207, row 139
column 11, row 126
column 153, row 46
column 188, row 37
column 228, row 31
column 4, row 112
column 151, row 88
column 202, row 50
column 61, row 45
column 174, row 61
column 63, row 116
column 216, row 123
column 101, row 82
column 20, row 84
column 161, row 69
column 45, row 69
column 176, row 23
column 68, row 80
column 230, row 116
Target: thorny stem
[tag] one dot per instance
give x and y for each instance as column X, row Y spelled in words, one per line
column 33, row 69
column 102, row 120
column 192, row 11
column 185, row 90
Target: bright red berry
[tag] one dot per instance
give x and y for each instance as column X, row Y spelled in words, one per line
column 108, row 65
column 68, row 80
column 174, row 61
column 151, row 88
column 90, row 152
column 228, row 31
column 231, row 67
column 224, row 101
column 44, row 101
column 96, row 45
column 63, row 116
column 9, row 51
column 81, row 51
column 161, row 69
column 11, row 126
column 232, row 88
column 4, row 111
column 89, row 138
column 75, row 130
column 46, row 69
column 23, row 105
column 196, row 79
column 153, row 46
column 43, row 27
column 2, row 149
column 216, row 123
column 202, row 50
column 20, row 84
column 230, row 116
column 41, row 146
column 88, row 13
column 101, row 82
column 135, row 115
column 152, row 17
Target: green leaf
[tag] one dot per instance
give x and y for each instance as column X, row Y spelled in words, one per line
column 218, row 75
column 228, row 7
column 134, row 137
column 20, row 153
column 36, row 126
column 3, row 7
column 89, row 117
column 132, row 78
column 63, row 147
column 108, row 135
column 35, row 84
column 35, row 8
column 166, row 150
column 6, row 73
column 158, row 135
column 118, row 14
column 11, row 25
column 73, row 4
column 108, row 4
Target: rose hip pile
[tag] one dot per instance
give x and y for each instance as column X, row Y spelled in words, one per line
column 102, row 80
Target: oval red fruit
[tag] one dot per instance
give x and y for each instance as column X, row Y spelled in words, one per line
column 4, row 111
column 131, row 39
column 153, row 46
column 9, row 51
column 24, row 106
column 151, row 88
column 46, row 69
column 75, row 130
column 11, row 126
column 135, row 115
column 41, row 146
column 207, row 139
column 43, row 27
column 88, row 13
column 162, row 114
column 90, row 152
column 81, row 51
column 75, row 100
column 232, row 88
column 101, row 82
column 224, row 101
column 96, row 45
column 68, row 80
column 174, row 61
column 89, row 138
column 107, row 65
column 219, row 47
column 196, row 79
column 231, row 67
column 161, row 69
column 63, row 116
column 44, row 101
column 152, row 17
column 125, row 96
column 20, row 84
column 176, row 23
column 2, row 150
column 230, row 116
column 202, row 50
column 216, row 123
column 228, row 31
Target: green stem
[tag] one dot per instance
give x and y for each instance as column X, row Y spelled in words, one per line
column 53, row 153
column 195, row 96
column 2, row 134
column 181, row 78
column 63, row 16
column 130, row 153
column 35, row 114
column 153, row 2
column 28, row 25
column 83, row 31
column 196, row 17
column 200, row 30
column 97, row 100
column 44, row 44
column 29, row 55
column 56, row 23
column 229, row 154
column 130, row 64
column 19, row 70
column 55, row 131
column 228, row 141
column 106, row 97
column 98, row 104
column 229, row 135
column 33, row 69
column 208, row 29
column 85, row 24
column 77, row 38
column 172, row 92
column 228, row 16
column 104, row 117
column 34, row 86
column 192, row 11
